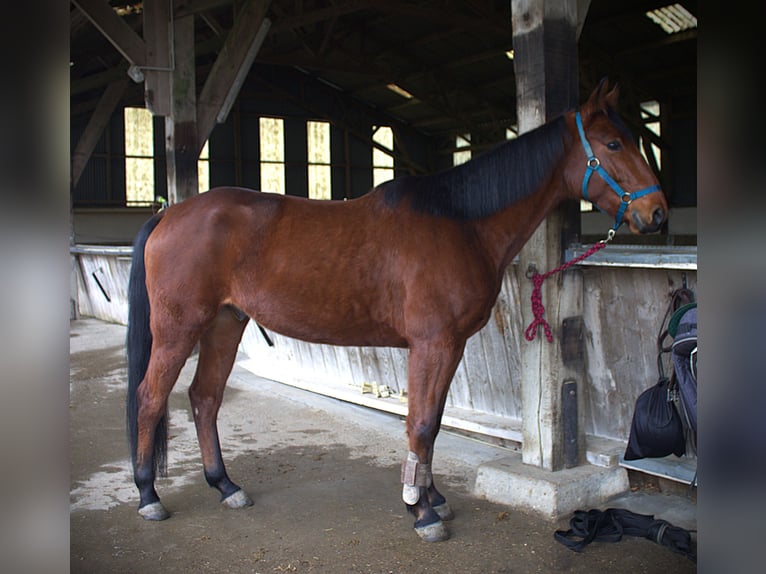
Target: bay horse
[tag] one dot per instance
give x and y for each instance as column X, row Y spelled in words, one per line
column 416, row 263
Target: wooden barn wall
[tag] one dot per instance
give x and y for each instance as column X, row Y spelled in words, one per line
column 622, row 311
column 234, row 155
column 486, row 381
column 235, row 151
column 103, row 179
column 102, row 283
column 623, row 308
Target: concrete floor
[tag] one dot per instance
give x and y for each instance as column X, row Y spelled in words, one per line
column 325, row 479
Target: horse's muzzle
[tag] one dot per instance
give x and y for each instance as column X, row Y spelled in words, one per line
column 652, row 224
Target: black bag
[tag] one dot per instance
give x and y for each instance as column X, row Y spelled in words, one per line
column 656, row 430
column 683, row 329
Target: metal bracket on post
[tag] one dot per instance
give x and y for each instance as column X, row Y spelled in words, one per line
column 572, row 346
column 569, row 426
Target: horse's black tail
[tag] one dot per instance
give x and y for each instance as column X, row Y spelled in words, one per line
column 139, row 345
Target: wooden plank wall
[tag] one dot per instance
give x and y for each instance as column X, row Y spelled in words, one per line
column 102, row 284
column 622, row 311
column 486, row 380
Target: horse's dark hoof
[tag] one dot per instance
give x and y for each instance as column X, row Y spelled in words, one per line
column 238, row 499
column 435, row 532
column 154, row 511
column 444, row 511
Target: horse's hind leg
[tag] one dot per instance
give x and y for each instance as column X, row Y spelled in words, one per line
column 167, row 360
column 217, row 351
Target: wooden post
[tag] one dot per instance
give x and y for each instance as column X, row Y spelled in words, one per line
column 545, row 48
column 114, row 29
column 231, row 67
column 181, row 143
column 159, row 65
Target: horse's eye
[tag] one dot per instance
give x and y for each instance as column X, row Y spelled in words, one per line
column 614, row 145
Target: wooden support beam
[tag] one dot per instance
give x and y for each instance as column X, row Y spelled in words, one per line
column 181, row 141
column 98, row 121
column 231, row 66
column 545, row 46
column 582, row 12
column 159, row 61
column 114, row 29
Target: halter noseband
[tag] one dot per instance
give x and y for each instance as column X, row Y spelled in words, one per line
column 594, row 165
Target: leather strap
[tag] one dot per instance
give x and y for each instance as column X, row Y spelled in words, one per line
column 612, row 524
column 416, row 473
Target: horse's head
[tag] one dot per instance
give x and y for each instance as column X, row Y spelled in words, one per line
column 607, row 168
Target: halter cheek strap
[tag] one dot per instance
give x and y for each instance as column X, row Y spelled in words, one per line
column 594, row 166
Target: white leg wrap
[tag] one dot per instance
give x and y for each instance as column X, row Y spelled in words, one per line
column 410, row 494
column 414, row 475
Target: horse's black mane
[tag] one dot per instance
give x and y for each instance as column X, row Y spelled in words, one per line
column 487, row 183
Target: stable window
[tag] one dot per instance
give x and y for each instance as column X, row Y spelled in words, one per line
column 272, row 148
column 461, row 155
column 382, row 161
column 139, row 157
column 319, row 169
column 650, row 117
column 203, row 168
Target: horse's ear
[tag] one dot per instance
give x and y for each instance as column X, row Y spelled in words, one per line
column 612, row 97
column 603, row 97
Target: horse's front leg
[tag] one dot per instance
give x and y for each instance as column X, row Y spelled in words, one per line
column 431, row 367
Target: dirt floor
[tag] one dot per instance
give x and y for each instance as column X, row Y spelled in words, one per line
column 325, row 480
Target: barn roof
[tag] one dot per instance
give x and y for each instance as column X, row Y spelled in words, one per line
column 440, row 67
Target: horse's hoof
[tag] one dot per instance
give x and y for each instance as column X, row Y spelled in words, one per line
column 154, row 511
column 238, row 500
column 435, row 532
column 444, row 511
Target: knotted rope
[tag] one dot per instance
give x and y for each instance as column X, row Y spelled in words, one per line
column 537, row 296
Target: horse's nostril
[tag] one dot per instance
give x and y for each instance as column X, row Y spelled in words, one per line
column 658, row 216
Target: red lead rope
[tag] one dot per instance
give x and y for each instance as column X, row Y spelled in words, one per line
column 537, row 296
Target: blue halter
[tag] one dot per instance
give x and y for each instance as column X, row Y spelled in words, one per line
column 594, row 165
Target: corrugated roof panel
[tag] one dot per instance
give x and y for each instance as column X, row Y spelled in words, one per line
column 673, row 18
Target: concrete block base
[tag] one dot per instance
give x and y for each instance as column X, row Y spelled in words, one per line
column 552, row 495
